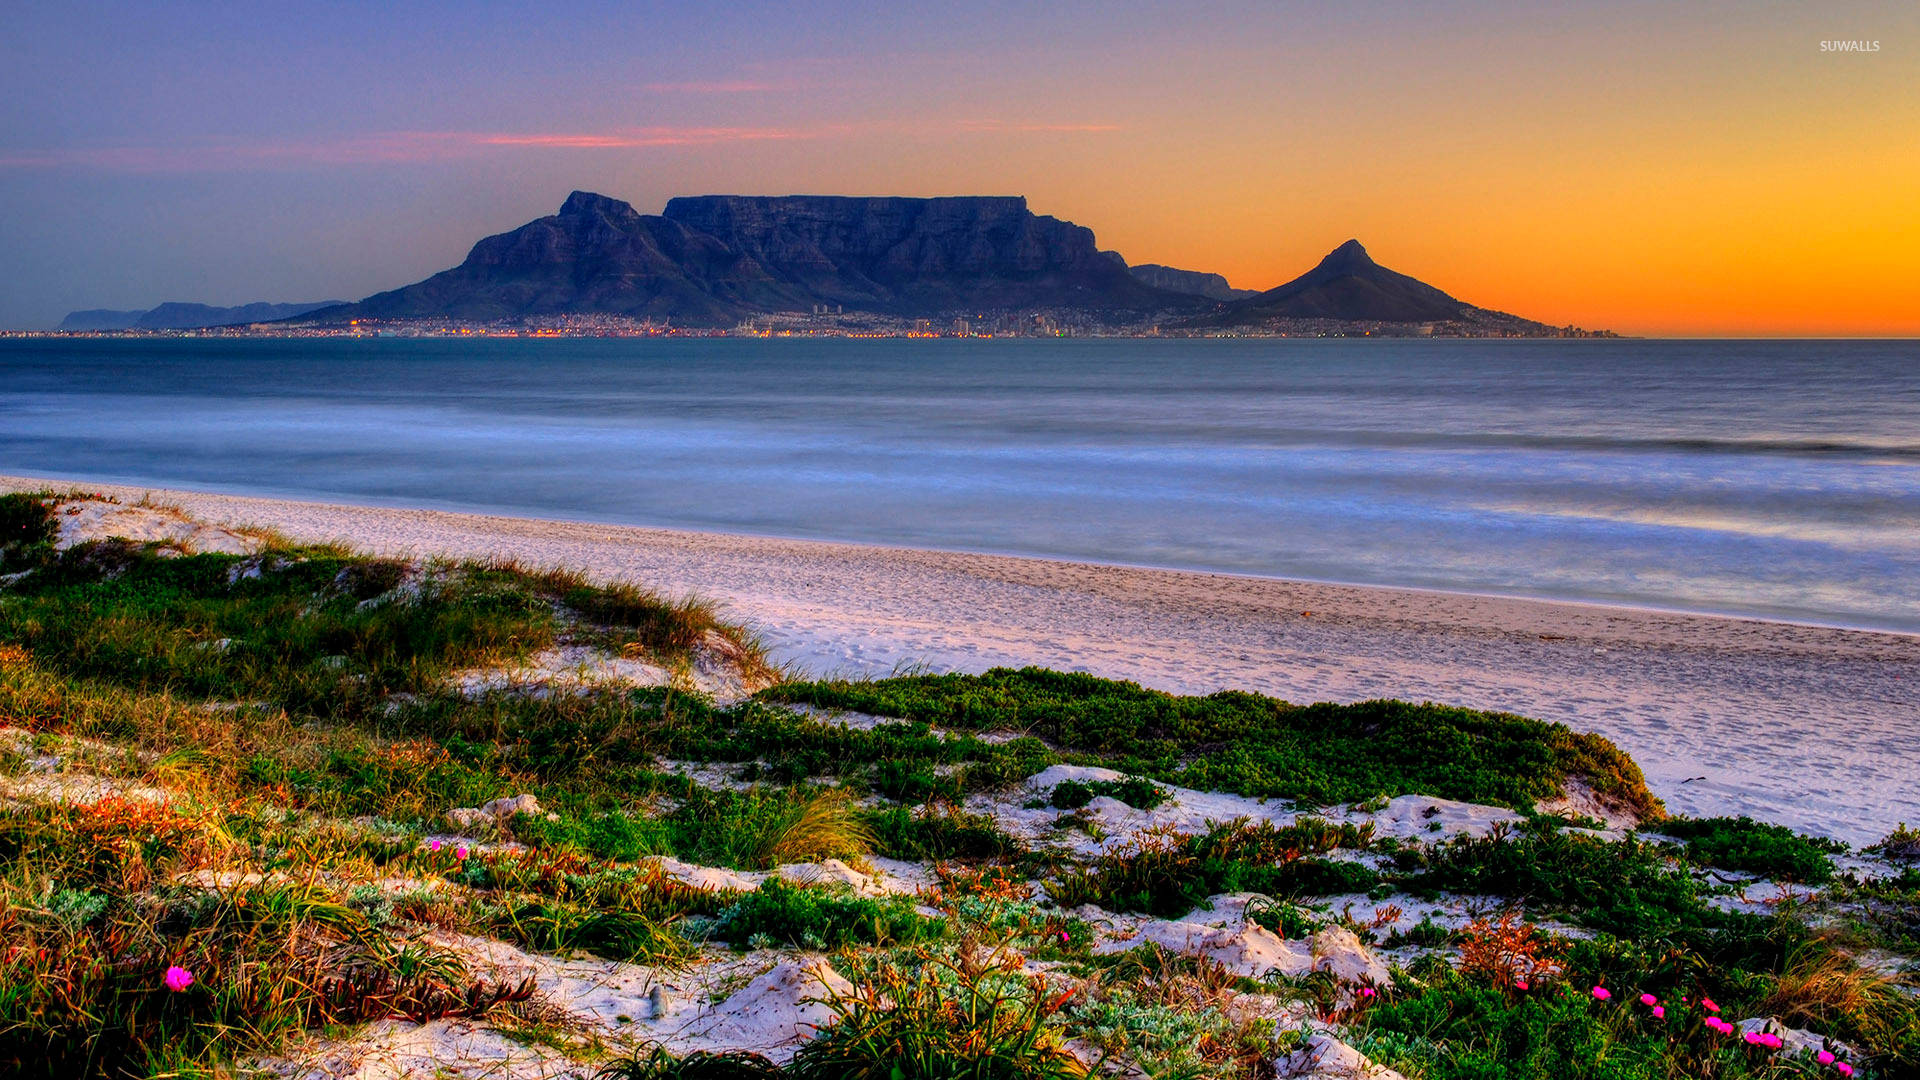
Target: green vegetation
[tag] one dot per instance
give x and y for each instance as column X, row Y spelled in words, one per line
column 1258, row 746
column 942, row 1017
column 782, row 913
column 1771, row 851
column 1167, row 875
column 1135, row 792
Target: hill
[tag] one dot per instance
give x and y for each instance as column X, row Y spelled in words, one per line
column 176, row 315
column 1348, row 290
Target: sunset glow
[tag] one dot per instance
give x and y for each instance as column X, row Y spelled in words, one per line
column 1650, row 168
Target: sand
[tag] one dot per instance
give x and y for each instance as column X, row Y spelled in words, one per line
column 1814, row 727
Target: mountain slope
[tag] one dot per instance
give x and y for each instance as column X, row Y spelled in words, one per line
column 1191, row 282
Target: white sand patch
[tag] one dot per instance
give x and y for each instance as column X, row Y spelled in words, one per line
column 1187, row 812
column 1323, row 1057
column 450, row 1049
column 1249, row 950
column 772, row 1015
column 580, row 669
column 84, row 520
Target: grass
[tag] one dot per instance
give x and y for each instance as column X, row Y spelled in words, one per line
column 936, row 1016
column 782, row 913
column 1259, row 746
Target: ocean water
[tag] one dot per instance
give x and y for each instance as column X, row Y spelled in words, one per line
column 1770, row 478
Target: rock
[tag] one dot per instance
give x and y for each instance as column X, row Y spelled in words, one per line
column 1323, row 1057
column 771, row 1015
column 498, row 813
column 1794, row 1041
column 1338, row 952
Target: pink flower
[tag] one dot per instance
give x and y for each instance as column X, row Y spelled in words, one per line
column 1659, row 1012
column 1602, row 993
column 1752, row 1038
column 1845, row 1069
column 1648, row 999
column 1520, row 984
column 1825, row 1057
column 460, row 852
column 1708, row 1002
column 433, row 844
column 1366, row 991
column 177, row 978
column 1063, row 938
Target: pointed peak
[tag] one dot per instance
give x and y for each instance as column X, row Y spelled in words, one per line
column 1347, row 256
column 582, row 203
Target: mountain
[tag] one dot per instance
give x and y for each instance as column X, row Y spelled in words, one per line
column 182, row 316
column 1191, row 282
column 99, row 319
column 1349, row 288
column 713, row 259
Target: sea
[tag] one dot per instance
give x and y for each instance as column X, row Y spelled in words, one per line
column 1778, row 479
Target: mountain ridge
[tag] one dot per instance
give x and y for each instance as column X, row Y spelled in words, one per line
column 720, row 260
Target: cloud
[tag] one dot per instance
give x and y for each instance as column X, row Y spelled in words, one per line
column 403, row 147
column 392, row 147
column 1004, row 125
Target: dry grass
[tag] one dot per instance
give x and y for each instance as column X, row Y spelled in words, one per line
column 827, row 826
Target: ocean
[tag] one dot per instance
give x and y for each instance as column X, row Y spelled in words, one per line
column 1771, row 478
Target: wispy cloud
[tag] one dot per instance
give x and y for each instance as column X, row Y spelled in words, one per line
column 1008, row 125
column 392, row 147
column 403, row 147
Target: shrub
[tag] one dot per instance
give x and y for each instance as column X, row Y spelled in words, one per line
column 1772, row 851
column 821, row 918
column 932, row 833
column 942, row 1018
column 1135, row 792
column 1259, row 746
column 1165, row 874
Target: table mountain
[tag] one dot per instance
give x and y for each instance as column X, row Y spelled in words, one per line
column 713, row 259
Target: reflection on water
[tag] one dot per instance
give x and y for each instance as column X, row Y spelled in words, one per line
column 1775, row 478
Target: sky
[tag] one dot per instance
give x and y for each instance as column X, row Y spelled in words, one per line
column 1656, row 168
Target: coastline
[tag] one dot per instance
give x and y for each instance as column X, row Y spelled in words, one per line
column 1801, row 724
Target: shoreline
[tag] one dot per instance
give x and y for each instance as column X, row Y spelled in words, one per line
column 1792, row 722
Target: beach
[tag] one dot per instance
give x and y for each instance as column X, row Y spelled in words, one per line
column 1810, row 726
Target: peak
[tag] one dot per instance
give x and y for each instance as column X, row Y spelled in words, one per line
column 1350, row 253
column 582, row 203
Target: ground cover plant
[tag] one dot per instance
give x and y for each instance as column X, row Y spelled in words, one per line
column 1771, row 851
column 1254, row 745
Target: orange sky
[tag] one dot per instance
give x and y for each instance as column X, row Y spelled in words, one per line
column 1648, row 167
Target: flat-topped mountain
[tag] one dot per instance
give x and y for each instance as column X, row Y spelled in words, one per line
column 713, row 259
column 182, row 316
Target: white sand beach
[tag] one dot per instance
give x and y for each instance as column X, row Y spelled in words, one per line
column 1814, row 727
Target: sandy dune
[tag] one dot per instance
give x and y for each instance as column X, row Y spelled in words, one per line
column 1815, row 727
